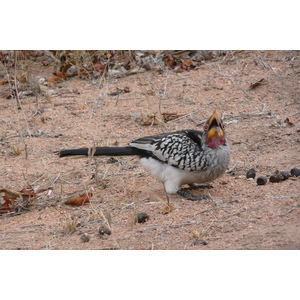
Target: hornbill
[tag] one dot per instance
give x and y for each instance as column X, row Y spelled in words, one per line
column 177, row 158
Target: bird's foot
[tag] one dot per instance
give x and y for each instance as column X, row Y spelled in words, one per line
column 187, row 195
column 193, row 186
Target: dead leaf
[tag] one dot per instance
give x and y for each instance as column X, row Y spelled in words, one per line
column 61, row 75
column 57, row 76
column 98, row 67
column 170, row 116
column 17, row 201
column 13, row 195
column 179, row 70
column 28, row 194
column 2, row 81
column 78, row 199
column 187, row 62
column 288, row 122
column 170, row 61
column 6, row 206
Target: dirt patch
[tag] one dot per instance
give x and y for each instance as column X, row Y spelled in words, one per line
column 255, row 91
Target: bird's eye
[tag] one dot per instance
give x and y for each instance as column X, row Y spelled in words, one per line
column 205, row 127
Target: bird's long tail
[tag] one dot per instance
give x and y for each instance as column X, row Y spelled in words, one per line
column 100, row 151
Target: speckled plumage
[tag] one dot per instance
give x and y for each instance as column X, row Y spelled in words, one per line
column 186, row 155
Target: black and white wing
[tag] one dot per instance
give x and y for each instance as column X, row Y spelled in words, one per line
column 181, row 149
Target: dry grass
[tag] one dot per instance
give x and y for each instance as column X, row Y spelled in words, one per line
column 69, row 225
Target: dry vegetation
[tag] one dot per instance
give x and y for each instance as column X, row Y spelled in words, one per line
column 108, row 98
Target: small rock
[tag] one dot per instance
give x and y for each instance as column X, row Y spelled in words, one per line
column 251, row 173
column 72, row 71
column 295, row 172
column 261, row 180
column 234, row 201
column 285, row 175
column 104, row 230
column 276, row 178
column 111, row 160
column 85, row 237
column 142, row 218
column 199, row 242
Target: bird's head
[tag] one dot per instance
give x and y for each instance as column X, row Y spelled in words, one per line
column 214, row 131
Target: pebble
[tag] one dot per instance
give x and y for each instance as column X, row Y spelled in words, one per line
column 199, row 242
column 85, row 237
column 104, row 230
column 251, row 173
column 72, row 71
column 142, row 218
column 295, row 172
column 261, row 180
column 285, row 175
column 276, row 178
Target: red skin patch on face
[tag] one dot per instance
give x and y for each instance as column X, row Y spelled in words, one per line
column 215, row 141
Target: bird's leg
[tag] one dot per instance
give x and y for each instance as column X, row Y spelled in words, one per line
column 193, row 186
column 187, row 195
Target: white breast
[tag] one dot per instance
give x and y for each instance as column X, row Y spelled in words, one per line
column 173, row 178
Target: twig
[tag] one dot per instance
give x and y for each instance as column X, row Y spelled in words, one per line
column 189, row 114
column 12, row 136
column 212, row 208
column 33, row 225
column 297, row 113
column 295, row 206
column 231, row 169
column 15, row 81
column 132, row 203
column 19, row 231
column 168, row 226
column 64, row 103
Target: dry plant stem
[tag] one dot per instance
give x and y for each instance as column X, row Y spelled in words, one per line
column 187, row 115
column 169, row 226
column 102, row 78
column 33, row 225
column 212, row 208
column 15, row 80
column 20, row 231
column 231, row 169
column 295, row 206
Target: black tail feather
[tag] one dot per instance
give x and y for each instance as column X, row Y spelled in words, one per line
column 101, row 151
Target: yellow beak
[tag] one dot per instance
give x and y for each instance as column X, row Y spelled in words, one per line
column 216, row 129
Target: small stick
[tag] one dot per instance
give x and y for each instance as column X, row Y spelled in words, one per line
column 19, row 231
column 212, row 208
column 168, row 226
column 295, row 206
column 231, row 169
column 33, row 225
column 15, row 81
column 189, row 114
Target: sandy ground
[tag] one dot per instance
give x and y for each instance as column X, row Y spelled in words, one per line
column 80, row 112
